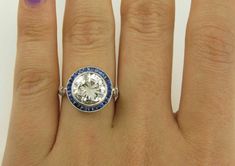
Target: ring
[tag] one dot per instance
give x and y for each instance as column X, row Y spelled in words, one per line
column 89, row 89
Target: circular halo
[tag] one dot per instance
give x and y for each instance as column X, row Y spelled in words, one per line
column 89, row 89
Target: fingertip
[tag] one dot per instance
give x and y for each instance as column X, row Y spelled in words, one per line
column 33, row 3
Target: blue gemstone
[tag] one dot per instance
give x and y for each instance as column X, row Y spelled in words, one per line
column 104, row 76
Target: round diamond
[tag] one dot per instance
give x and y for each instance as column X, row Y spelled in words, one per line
column 89, row 89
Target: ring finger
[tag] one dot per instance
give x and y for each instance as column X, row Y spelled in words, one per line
column 88, row 41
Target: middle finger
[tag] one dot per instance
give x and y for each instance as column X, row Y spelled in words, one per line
column 145, row 62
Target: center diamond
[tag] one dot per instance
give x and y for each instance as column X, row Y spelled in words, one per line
column 89, row 89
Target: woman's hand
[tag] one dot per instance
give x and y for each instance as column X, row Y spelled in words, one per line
column 140, row 128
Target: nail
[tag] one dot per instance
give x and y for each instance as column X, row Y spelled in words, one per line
column 33, row 2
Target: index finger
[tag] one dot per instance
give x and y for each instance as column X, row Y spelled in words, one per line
column 35, row 101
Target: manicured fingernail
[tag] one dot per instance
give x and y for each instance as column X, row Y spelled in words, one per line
column 33, row 2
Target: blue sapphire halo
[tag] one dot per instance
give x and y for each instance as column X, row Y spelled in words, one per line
column 89, row 89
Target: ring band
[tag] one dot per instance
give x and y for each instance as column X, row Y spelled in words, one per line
column 89, row 89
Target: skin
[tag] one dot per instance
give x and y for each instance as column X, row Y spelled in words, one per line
column 140, row 128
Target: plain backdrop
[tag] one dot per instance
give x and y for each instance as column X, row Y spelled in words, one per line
column 8, row 31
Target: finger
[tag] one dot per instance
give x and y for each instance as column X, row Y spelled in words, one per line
column 208, row 99
column 145, row 62
column 35, row 104
column 88, row 41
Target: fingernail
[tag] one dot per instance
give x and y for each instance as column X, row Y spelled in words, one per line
column 33, row 2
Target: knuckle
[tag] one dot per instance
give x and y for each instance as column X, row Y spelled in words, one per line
column 31, row 82
column 35, row 29
column 214, row 46
column 148, row 17
column 88, row 31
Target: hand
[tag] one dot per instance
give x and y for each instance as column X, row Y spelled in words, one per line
column 140, row 128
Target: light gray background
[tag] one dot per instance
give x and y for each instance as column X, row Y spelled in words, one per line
column 8, row 22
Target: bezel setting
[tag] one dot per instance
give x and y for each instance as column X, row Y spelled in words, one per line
column 81, row 106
